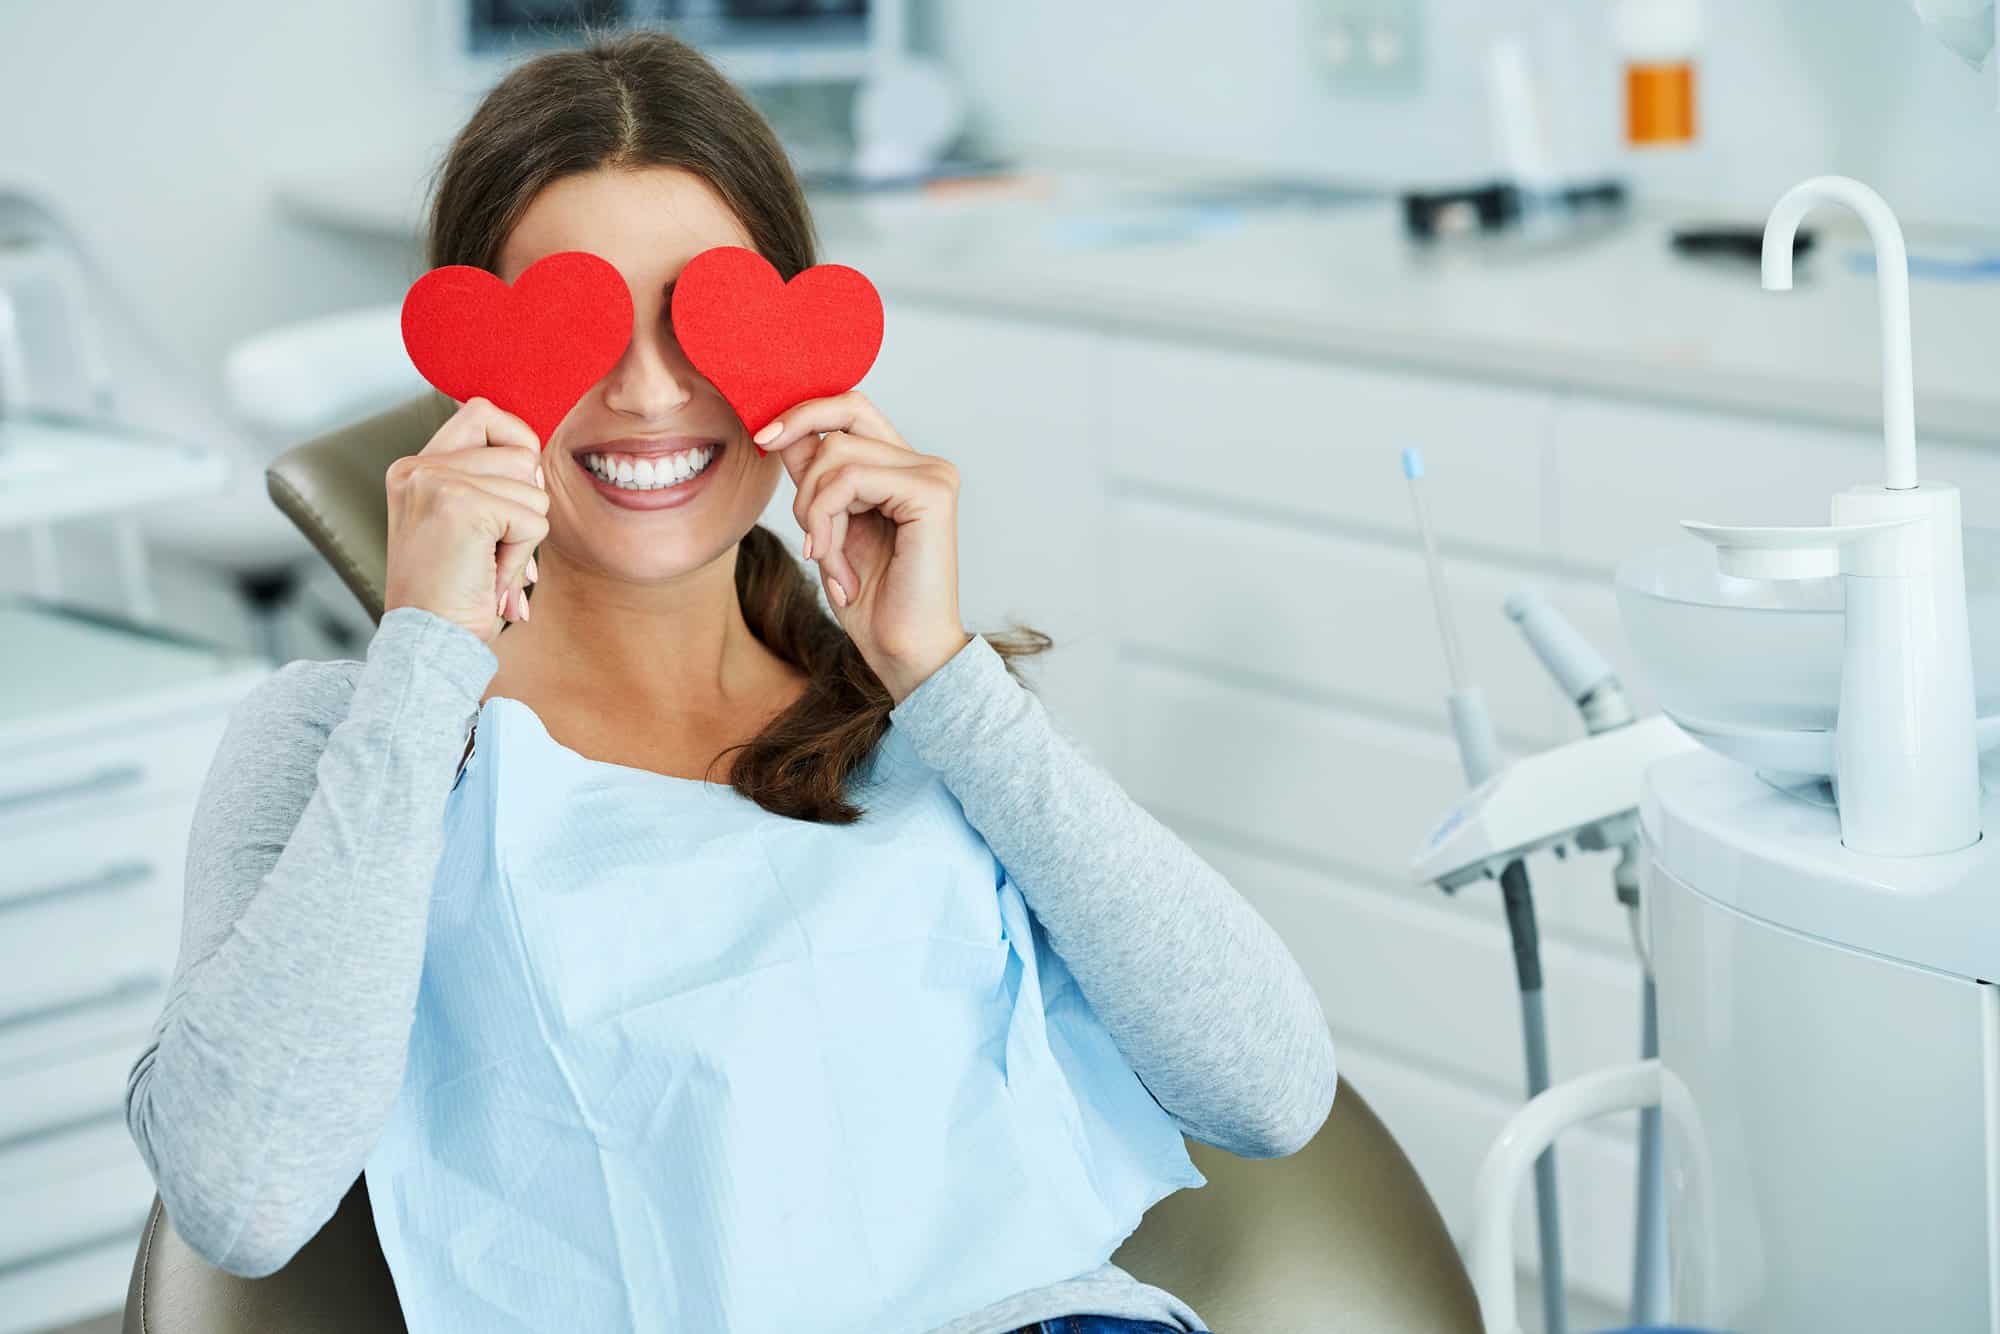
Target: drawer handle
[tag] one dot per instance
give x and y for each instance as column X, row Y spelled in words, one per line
column 108, row 779
column 119, row 992
column 119, row 875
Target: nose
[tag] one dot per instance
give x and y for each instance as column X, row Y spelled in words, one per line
column 652, row 380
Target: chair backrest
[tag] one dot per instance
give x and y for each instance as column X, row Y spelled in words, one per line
column 334, row 488
column 1339, row 1236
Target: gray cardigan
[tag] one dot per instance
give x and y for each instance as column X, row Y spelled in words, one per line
column 318, row 831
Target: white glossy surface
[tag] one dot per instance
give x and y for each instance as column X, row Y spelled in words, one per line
column 1827, row 1153
column 1892, row 279
column 1543, row 799
column 1715, row 824
column 1906, row 758
column 1723, row 653
column 1504, row 1170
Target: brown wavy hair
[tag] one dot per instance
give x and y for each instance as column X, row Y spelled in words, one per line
column 630, row 100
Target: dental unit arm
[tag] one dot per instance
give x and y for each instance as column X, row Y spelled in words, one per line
column 1586, row 792
column 1906, row 754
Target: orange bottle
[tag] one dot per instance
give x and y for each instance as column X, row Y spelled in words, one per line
column 1658, row 39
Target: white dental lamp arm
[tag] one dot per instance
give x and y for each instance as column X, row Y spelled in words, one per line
column 1892, row 282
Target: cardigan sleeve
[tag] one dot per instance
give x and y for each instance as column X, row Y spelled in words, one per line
column 282, row 1039
column 1199, row 992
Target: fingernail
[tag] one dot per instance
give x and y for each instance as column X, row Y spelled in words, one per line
column 525, row 613
column 534, row 576
column 501, row 609
column 770, row 432
column 538, row 474
column 809, row 546
column 839, row 594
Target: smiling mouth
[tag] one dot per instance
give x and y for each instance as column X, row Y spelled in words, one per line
column 651, row 472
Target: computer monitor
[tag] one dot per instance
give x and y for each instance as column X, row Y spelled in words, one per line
column 754, row 42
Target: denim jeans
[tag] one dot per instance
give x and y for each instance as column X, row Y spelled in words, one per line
column 1096, row 1324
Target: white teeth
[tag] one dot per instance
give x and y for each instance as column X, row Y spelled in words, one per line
column 648, row 474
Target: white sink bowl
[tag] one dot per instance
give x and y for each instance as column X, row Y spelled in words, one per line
column 1751, row 667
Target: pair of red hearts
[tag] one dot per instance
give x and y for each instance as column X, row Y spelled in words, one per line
column 537, row 347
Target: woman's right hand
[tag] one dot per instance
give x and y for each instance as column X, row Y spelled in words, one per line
column 465, row 514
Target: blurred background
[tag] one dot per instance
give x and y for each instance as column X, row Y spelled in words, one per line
column 1173, row 282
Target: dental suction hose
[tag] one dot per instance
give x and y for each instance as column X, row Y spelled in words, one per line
column 1587, row 679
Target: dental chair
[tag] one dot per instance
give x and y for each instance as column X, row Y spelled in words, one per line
column 1339, row 1238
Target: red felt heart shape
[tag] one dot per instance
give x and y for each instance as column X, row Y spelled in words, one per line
column 767, row 344
column 534, row 348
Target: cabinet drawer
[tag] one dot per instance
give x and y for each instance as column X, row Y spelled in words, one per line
column 85, row 1086
column 67, row 1190
column 83, row 774
column 1325, row 441
column 1345, row 618
column 1627, row 473
column 114, row 854
column 117, row 1009
column 57, row 957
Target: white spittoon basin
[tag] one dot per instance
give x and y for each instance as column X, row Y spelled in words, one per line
column 1751, row 667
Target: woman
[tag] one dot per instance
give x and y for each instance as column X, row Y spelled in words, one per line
column 618, row 1045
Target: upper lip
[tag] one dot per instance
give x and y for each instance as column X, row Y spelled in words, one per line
column 646, row 446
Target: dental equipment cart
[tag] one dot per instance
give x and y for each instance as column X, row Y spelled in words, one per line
column 1821, row 896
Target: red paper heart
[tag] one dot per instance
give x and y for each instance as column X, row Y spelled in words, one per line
column 767, row 344
column 534, row 348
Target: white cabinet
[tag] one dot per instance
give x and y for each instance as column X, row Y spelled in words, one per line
column 1323, row 442
column 1010, row 404
column 105, row 737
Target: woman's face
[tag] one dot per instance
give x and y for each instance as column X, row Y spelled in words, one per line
column 652, row 414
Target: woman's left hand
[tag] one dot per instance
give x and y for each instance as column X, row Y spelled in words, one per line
column 882, row 522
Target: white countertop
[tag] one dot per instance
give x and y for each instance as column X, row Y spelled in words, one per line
column 1619, row 314
column 42, row 456
column 67, row 669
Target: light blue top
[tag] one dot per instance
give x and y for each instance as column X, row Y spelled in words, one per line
column 680, row 1063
